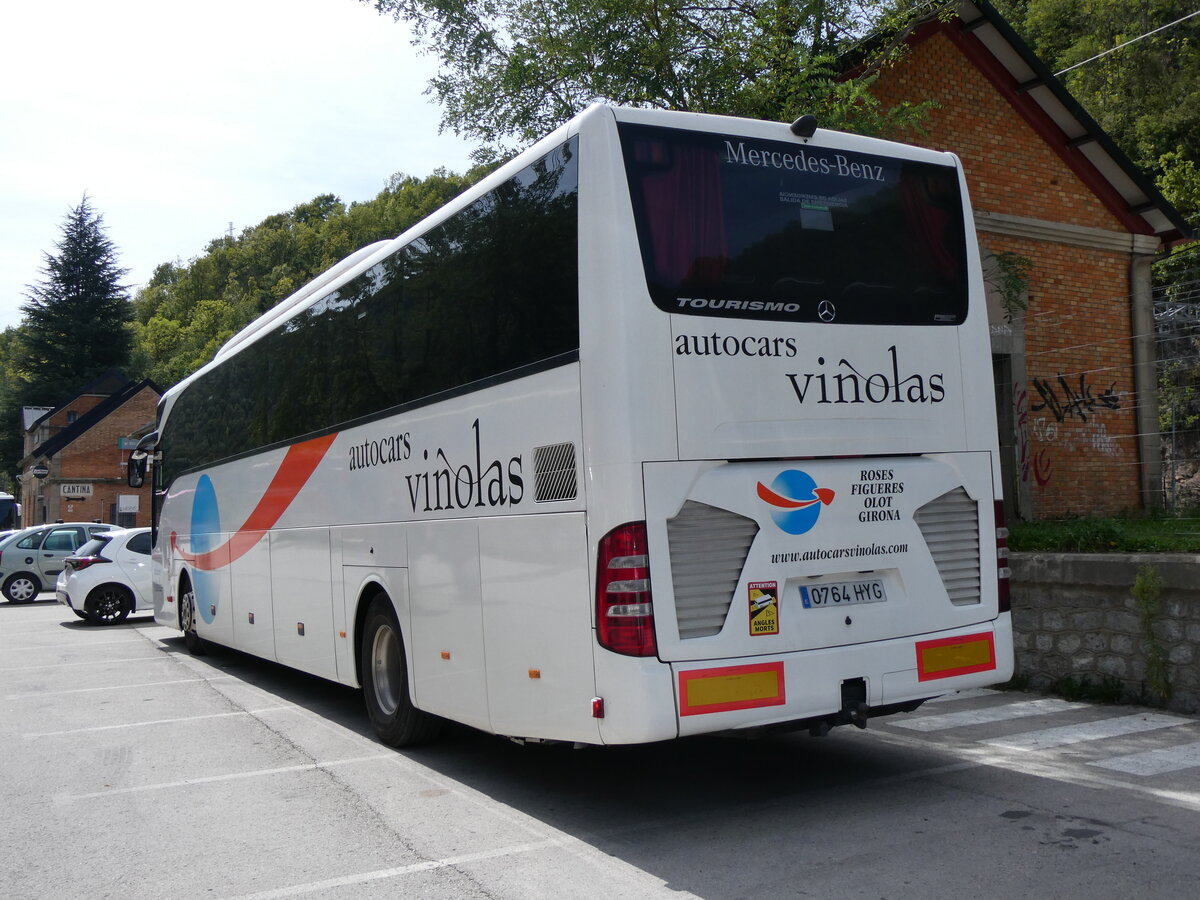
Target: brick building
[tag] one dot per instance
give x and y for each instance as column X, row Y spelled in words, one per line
column 1075, row 370
column 75, row 454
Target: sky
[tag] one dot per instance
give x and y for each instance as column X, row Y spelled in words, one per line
column 178, row 120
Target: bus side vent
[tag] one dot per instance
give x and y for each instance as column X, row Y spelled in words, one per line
column 950, row 526
column 554, row 473
column 708, row 550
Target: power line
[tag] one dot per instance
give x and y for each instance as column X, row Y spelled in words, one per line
column 1127, row 43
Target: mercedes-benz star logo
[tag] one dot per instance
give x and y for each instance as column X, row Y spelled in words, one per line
column 826, row 311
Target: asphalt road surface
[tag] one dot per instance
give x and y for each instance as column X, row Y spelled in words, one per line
column 132, row 769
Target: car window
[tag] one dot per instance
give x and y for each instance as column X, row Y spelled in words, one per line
column 94, row 530
column 94, row 546
column 31, row 542
column 140, row 543
column 62, row 539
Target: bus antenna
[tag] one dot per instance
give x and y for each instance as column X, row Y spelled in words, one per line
column 805, row 126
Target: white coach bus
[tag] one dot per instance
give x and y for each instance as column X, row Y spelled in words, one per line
column 674, row 424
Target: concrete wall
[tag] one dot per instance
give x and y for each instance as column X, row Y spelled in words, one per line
column 1075, row 615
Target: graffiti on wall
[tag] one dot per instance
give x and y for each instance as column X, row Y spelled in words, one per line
column 1029, row 464
column 1068, row 401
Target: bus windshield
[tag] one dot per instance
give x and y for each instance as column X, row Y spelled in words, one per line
column 732, row 226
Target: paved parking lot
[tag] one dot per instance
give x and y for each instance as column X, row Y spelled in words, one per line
column 133, row 769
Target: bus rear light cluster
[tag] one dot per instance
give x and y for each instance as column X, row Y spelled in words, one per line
column 1003, row 572
column 624, row 612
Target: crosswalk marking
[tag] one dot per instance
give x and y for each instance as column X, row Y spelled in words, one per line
column 1145, row 764
column 968, row 694
column 988, row 714
column 1154, row 762
column 1048, row 738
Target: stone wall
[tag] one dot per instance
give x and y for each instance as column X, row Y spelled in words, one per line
column 1075, row 615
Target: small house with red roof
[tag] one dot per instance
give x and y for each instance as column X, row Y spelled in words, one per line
column 1057, row 204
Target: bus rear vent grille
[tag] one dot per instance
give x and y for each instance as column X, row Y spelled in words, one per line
column 708, row 550
column 554, row 473
column 950, row 526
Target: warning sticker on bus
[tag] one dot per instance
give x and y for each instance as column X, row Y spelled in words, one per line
column 764, row 607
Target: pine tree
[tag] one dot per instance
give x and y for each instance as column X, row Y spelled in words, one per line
column 75, row 318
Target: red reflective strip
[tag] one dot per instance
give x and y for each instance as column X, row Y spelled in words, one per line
column 297, row 467
column 731, row 687
column 947, row 657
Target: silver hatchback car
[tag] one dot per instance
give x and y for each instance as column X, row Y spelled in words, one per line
column 30, row 560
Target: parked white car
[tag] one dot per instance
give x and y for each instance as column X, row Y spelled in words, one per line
column 108, row 577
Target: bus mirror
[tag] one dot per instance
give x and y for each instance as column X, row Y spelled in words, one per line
column 135, row 474
column 140, row 460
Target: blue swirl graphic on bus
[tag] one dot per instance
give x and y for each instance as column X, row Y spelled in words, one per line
column 206, row 533
column 795, row 500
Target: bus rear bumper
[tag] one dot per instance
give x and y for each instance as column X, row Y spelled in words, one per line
column 839, row 684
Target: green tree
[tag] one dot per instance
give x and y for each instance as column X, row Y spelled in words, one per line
column 75, row 318
column 186, row 312
column 515, row 69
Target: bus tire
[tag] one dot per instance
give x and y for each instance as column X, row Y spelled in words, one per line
column 187, row 621
column 385, row 681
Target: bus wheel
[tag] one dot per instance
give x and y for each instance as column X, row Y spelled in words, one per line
column 187, row 621
column 385, row 681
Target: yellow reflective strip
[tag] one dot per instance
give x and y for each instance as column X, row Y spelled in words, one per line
column 956, row 656
column 732, row 688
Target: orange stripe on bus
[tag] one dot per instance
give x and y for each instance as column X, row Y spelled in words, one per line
column 298, row 465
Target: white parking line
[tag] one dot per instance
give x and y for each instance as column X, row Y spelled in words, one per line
column 1049, row 738
column 1154, row 762
column 90, row 663
column 229, row 776
column 398, row 871
column 983, row 716
column 59, row 645
column 37, row 695
column 99, row 662
column 225, row 715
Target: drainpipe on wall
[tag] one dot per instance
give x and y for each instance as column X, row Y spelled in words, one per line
column 1145, row 381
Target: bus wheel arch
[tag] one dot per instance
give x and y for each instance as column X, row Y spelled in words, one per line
column 383, row 671
column 187, row 616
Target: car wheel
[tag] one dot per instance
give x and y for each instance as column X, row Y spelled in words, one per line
column 385, row 681
column 108, row 604
column 21, row 587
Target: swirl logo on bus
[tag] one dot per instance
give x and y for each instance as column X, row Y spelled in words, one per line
column 207, row 553
column 206, row 529
column 795, row 500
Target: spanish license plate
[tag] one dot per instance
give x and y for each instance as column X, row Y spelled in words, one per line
column 842, row 593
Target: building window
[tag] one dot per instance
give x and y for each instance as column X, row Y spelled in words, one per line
column 71, row 416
